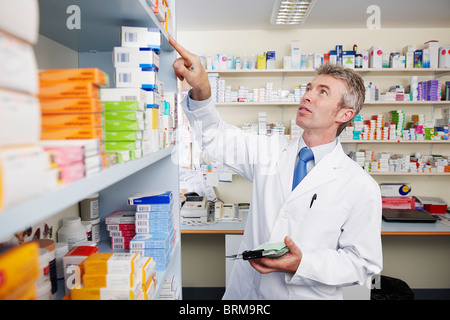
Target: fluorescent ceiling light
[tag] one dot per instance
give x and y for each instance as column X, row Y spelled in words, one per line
column 291, row 11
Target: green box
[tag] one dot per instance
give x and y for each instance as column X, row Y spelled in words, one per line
column 123, row 135
column 121, row 125
column 122, row 145
column 122, row 105
column 130, row 115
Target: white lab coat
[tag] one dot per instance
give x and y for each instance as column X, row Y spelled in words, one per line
column 339, row 236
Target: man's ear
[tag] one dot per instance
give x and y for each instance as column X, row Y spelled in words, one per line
column 345, row 115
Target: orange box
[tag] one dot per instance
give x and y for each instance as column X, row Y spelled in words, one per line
column 82, row 105
column 68, row 90
column 80, row 75
column 104, row 263
column 71, row 133
column 72, row 120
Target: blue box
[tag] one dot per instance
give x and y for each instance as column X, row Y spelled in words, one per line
column 151, row 198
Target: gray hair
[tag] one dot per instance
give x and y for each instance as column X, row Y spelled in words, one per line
column 354, row 97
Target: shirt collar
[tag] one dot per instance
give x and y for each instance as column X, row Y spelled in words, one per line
column 318, row 151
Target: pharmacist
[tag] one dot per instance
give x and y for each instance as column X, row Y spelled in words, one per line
column 330, row 220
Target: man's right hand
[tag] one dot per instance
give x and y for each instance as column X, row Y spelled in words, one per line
column 189, row 67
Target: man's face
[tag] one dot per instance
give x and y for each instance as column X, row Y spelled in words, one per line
column 319, row 106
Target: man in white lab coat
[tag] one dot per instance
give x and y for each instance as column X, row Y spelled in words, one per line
column 330, row 221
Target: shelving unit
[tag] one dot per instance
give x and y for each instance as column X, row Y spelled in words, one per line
column 101, row 22
column 284, row 107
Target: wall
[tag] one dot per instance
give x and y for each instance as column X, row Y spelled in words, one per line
column 410, row 264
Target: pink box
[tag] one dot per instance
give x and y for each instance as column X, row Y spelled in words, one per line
column 71, row 172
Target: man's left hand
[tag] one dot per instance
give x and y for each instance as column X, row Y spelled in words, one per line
column 288, row 263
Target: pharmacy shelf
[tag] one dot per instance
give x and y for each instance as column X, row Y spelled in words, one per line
column 175, row 255
column 100, row 22
column 398, row 141
column 299, row 72
column 37, row 209
column 407, row 103
column 410, row 174
column 368, row 103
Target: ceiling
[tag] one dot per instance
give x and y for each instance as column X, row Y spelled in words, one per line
column 199, row 15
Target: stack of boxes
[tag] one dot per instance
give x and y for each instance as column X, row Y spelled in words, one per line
column 116, row 276
column 121, row 228
column 72, row 120
column 24, row 165
column 155, row 233
column 138, row 120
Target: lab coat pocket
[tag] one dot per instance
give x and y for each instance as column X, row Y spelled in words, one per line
column 322, row 221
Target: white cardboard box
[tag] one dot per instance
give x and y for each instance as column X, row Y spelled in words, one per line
column 18, row 67
column 20, row 119
column 20, row 18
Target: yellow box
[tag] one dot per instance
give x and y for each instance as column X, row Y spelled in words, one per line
column 71, row 133
column 72, row 105
column 68, row 90
column 26, row 291
column 111, row 263
column 110, row 280
column 72, row 120
column 18, row 266
column 80, row 75
column 83, row 293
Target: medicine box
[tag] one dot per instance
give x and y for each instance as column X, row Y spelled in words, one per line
column 18, row 266
column 123, row 135
column 82, row 105
column 156, row 211
column 433, row 46
column 119, row 125
column 122, row 145
column 151, row 198
column 125, row 95
column 72, row 120
column 138, row 37
column 122, row 106
column 21, row 19
column 135, row 58
column 20, row 119
column 136, row 77
column 110, row 263
column 121, row 217
column 74, row 258
column 64, row 155
column 106, row 293
column 78, row 75
column 376, row 57
column 296, row 55
column 146, row 241
column 68, row 90
column 444, row 57
column 111, row 280
column 68, row 133
column 90, row 147
column 418, row 56
column 124, row 115
column 18, row 70
column 22, row 173
column 348, row 59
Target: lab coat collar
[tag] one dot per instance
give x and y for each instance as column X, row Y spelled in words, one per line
column 323, row 172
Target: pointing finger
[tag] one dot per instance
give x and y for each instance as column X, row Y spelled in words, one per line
column 179, row 48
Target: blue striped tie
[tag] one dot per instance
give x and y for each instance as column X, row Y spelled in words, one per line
column 300, row 170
